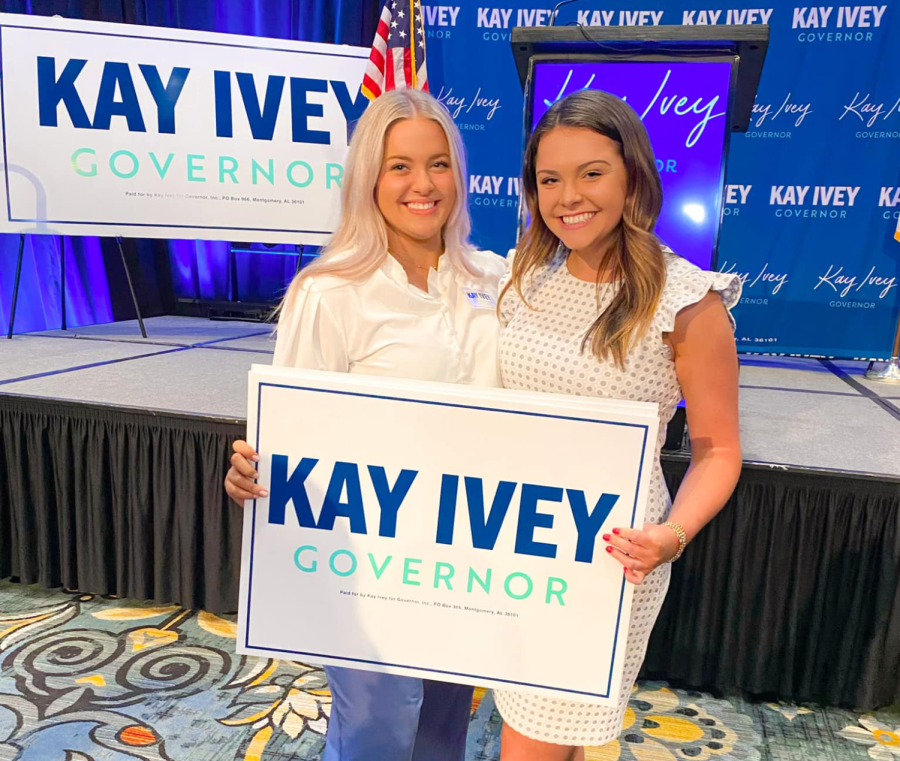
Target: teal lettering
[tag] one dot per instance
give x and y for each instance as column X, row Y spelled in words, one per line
column 257, row 170
column 378, row 571
column 92, row 172
column 443, row 572
column 315, row 563
column 134, row 165
column 558, row 593
column 334, row 569
column 528, row 588
column 161, row 170
column 290, row 174
column 223, row 170
column 192, row 167
column 408, row 572
column 485, row 583
column 337, row 176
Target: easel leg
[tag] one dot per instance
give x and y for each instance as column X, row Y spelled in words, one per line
column 12, row 314
column 62, row 279
column 131, row 287
column 233, row 292
column 299, row 262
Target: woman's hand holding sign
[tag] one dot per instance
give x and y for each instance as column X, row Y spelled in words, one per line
column 642, row 551
column 240, row 483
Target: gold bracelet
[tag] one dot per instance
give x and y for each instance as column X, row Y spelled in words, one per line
column 682, row 538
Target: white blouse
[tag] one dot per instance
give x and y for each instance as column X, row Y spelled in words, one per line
column 385, row 326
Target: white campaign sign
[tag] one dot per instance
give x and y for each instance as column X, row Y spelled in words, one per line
column 115, row 129
column 442, row 531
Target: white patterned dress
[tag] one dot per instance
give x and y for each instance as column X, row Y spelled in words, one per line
column 540, row 350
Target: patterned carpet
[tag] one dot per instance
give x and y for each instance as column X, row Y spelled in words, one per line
column 85, row 678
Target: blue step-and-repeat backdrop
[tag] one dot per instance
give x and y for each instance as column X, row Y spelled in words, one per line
column 813, row 188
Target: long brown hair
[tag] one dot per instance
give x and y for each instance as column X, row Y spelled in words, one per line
column 635, row 256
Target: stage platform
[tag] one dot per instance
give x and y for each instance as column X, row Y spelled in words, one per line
column 797, row 413
column 115, row 447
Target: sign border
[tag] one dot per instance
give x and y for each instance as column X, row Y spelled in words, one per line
column 9, row 215
column 431, row 402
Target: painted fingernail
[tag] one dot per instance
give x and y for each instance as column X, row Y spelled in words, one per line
column 606, row 537
column 616, row 531
column 609, row 549
column 263, row 493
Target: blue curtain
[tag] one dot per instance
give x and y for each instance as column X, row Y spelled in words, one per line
column 175, row 269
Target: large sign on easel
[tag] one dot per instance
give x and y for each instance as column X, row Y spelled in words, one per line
column 442, row 531
column 113, row 129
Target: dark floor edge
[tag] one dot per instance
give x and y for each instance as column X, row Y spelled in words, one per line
column 63, row 371
column 802, row 390
column 892, row 410
column 267, row 352
column 131, row 342
column 149, row 341
column 223, row 340
column 137, row 340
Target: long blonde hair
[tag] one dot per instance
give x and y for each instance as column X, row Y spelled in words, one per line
column 359, row 245
column 635, row 256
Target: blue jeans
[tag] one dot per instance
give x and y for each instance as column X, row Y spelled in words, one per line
column 382, row 717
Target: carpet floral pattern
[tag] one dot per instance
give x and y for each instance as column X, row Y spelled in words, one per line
column 88, row 678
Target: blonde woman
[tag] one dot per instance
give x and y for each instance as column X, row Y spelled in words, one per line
column 596, row 306
column 393, row 295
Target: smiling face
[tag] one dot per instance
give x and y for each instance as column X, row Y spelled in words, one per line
column 581, row 187
column 416, row 189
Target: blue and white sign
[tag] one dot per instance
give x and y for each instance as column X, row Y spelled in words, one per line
column 442, row 531
column 113, row 129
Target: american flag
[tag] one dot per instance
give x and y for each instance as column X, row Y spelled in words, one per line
column 397, row 60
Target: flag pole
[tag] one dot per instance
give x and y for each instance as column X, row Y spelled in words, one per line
column 412, row 39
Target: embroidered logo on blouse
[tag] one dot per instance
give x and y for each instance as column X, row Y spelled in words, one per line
column 480, row 300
